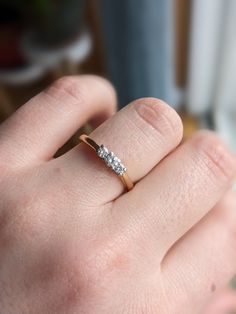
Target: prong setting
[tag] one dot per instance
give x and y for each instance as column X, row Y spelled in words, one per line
column 111, row 160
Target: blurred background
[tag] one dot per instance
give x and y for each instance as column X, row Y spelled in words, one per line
column 183, row 51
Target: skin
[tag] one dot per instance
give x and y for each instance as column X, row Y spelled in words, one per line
column 71, row 239
column 222, row 303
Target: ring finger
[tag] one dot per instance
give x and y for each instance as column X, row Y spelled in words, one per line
column 141, row 135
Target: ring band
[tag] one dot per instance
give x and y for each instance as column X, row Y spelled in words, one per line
column 111, row 160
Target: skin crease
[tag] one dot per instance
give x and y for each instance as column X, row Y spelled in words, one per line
column 72, row 241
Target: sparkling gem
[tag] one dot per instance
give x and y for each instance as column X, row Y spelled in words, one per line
column 102, row 151
column 120, row 169
column 109, row 159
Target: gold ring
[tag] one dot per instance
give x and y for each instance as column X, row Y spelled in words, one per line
column 111, row 160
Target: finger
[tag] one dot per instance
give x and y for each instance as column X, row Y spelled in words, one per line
column 222, row 302
column 40, row 127
column 204, row 260
column 141, row 135
column 180, row 190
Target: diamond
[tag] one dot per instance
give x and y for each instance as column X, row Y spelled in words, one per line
column 109, row 159
column 115, row 163
column 120, row 169
column 102, row 151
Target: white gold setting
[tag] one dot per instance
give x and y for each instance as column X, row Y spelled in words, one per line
column 111, row 160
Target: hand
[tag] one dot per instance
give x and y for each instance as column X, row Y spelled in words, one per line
column 71, row 240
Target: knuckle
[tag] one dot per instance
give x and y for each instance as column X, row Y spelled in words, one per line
column 215, row 155
column 69, row 87
column 160, row 116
